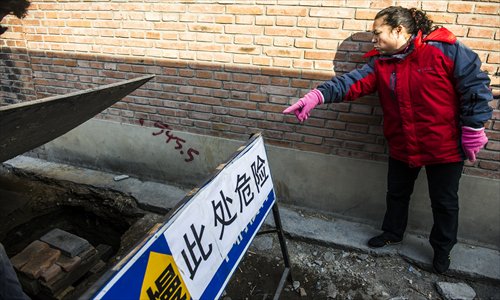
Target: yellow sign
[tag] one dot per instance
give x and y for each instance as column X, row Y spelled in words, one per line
column 162, row 279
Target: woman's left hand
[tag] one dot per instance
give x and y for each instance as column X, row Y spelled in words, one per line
column 473, row 140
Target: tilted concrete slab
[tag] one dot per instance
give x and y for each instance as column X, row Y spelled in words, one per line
column 24, row 126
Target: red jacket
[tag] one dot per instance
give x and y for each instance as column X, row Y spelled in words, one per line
column 427, row 93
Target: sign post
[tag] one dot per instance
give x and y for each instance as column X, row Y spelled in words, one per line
column 195, row 252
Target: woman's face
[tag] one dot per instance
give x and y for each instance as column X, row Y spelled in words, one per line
column 388, row 40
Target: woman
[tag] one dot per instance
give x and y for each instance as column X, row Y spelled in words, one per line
column 435, row 103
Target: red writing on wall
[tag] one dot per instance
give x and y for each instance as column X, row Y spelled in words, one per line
column 165, row 129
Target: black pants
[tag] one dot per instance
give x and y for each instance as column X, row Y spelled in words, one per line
column 10, row 288
column 443, row 181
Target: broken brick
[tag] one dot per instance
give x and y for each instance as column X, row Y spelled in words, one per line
column 68, row 264
column 40, row 262
column 50, row 273
column 28, row 253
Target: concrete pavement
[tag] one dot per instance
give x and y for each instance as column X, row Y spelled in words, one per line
column 468, row 261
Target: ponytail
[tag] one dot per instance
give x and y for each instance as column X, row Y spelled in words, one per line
column 19, row 8
column 422, row 22
column 412, row 19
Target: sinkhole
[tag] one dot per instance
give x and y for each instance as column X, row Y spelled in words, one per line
column 61, row 237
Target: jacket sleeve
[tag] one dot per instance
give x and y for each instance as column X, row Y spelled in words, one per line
column 472, row 86
column 349, row 86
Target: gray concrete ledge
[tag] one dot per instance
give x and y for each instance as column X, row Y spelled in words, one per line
column 152, row 196
column 347, row 187
column 469, row 261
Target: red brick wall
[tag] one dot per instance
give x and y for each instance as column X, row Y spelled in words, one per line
column 230, row 69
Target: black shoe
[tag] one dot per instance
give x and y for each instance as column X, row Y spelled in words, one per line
column 383, row 240
column 441, row 262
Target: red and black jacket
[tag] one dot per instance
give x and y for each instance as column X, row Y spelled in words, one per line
column 427, row 93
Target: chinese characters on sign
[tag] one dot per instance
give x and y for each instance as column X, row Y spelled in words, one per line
column 214, row 226
column 191, row 247
column 195, row 252
column 225, row 213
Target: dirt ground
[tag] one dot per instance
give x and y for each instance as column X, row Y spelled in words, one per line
column 323, row 272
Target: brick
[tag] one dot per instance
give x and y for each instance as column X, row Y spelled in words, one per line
column 460, row 7
column 352, row 136
column 307, row 22
column 43, row 260
column 286, row 11
column 488, row 33
column 243, row 29
column 304, row 43
column 443, row 18
column 319, row 55
column 313, row 140
column 355, row 25
column 98, row 267
column 284, row 82
column 269, row 134
column 275, row 126
column 88, row 254
column 480, row 44
column 345, row 13
column 487, row 8
column 50, row 273
column 458, row 30
column 66, row 279
column 205, row 9
column 365, row 14
column 225, row 19
column 28, row 253
column 240, row 104
column 493, row 58
column 244, row 10
column 356, row 118
column 271, row 107
column 69, row 244
column 380, row 4
column 360, row 128
column 315, row 131
column 434, row 5
column 68, row 264
column 284, row 31
column 476, row 20
column 241, row 87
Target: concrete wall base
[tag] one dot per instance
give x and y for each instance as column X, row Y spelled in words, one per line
column 345, row 187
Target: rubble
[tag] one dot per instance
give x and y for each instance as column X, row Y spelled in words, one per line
column 48, row 267
column 455, row 291
column 326, row 273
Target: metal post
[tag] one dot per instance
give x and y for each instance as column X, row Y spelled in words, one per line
column 287, row 273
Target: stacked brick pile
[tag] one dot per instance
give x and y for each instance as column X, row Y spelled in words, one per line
column 48, row 267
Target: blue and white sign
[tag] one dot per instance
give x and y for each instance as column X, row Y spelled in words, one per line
column 194, row 254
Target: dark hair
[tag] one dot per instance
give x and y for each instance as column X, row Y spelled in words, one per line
column 410, row 18
column 18, row 8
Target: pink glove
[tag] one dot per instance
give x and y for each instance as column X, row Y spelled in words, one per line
column 472, row 141
column 302, row 108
